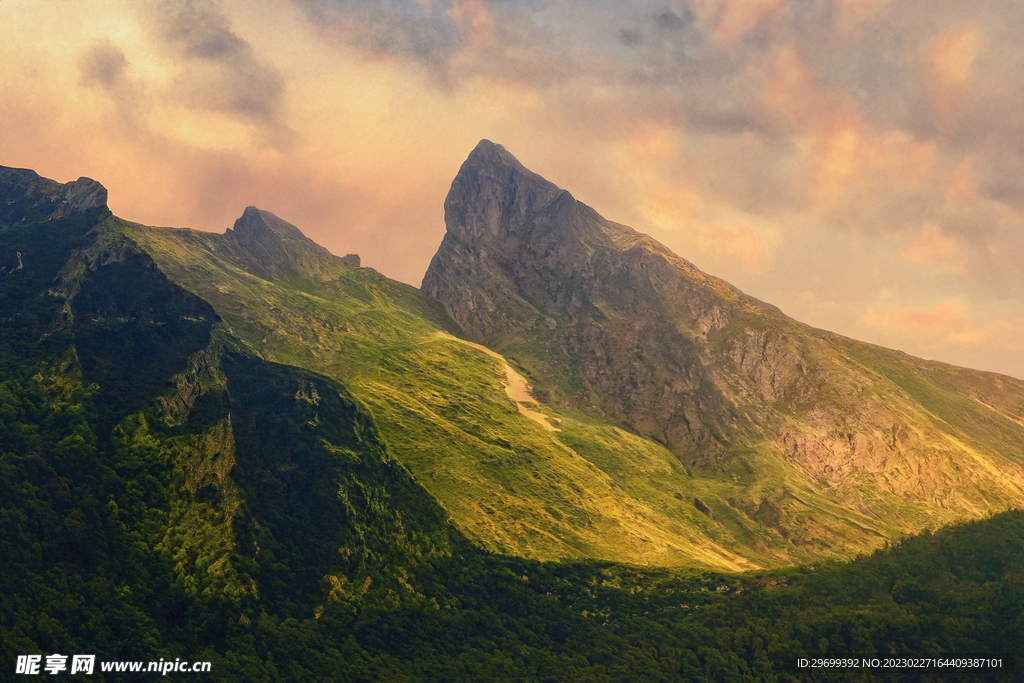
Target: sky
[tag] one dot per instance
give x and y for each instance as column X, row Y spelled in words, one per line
column 857, row 163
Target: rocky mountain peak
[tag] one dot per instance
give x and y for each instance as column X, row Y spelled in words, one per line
column 78, row 196
column 30, row 198
column 493, row 195
column 276, row 249
column 259, row 224
column 605, row 318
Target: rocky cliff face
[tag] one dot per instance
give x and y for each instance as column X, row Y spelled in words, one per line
column 602, row 316
column 607, row 320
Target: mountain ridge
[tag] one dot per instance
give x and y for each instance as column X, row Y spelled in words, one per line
column 30, row 197
column 157, row 450
column 270, row 461
column 277, row 249
column 765, row 456
column 693, row 425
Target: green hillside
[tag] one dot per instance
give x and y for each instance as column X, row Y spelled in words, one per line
column 828, row 442
column 510, row 483
column 304, row 475
column 156, row 475
column 804, row 445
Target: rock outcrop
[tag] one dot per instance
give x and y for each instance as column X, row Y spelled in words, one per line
column 616, row 317
column 29, row 198
column 277, row 250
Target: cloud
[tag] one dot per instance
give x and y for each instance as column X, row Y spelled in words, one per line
column 631, row 37
column 949, row 330
column 945, row 322
column 667, row 20
column 952, row 57
column 427, row 33
column 854, row 12
column 103, row 65
column 936, row 250
column 711, row 236
column 953, row 54
column 104, row 68
column 219, row 70
column 731, row 21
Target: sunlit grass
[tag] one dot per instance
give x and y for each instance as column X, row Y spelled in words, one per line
column 591, row 489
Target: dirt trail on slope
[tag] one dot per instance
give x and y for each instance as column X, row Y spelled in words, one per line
column 516, row 386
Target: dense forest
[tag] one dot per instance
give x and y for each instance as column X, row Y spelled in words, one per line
column 85, row 572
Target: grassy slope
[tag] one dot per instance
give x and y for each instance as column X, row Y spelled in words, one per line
column 589, row 490
column 441, row 406
column 123, row 540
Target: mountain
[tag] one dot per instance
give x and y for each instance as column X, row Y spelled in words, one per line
column 243, row 450
column 499, row 468
column 150, row 461
column 629, row 408
column 525, row 265
column 276, row 249
column 29, row 198
column 605, row 320
column 673, row 420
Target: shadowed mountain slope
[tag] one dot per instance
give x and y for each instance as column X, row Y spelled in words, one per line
column 276, row 249
column 144, row 446
column 168, row 491
column 445, row 411
column 28, row 198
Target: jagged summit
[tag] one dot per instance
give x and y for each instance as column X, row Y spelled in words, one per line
column 493, row 193
column 255, row 222
column 487, row 153
column 30, row 198
column 526, row 265
column 275, row 249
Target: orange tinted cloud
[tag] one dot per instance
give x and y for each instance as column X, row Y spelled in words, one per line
column 952, row 56
column 732, row 20
column 707, row 233
column 935, row 249
column 850, row 157
column 855, row 12
column 962, row 182
column 789, row 85
column 949, row 332
column 856, row 157
column 475, row 20
column 953, row 53
column 946, row 322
